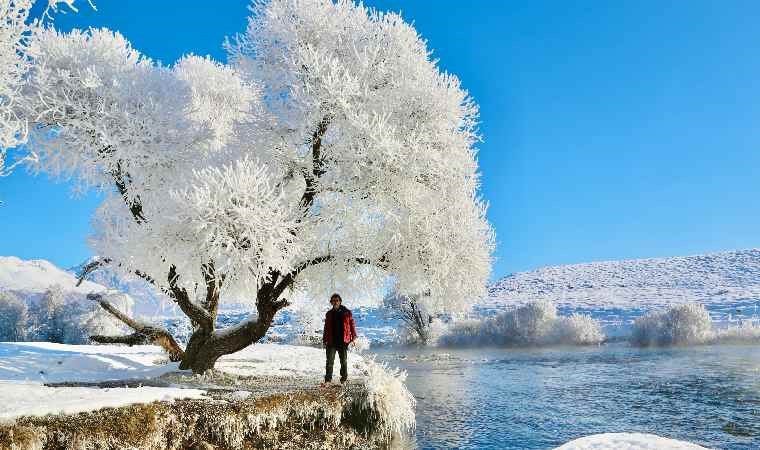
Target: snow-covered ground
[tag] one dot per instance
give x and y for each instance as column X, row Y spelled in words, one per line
column 25, row 367
column 627, row 441
column 32, row 399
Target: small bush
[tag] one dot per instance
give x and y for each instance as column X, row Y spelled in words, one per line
column 677, row 325
column 577, row 329
column 533, row 324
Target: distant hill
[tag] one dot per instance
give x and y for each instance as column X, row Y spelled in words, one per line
column 726, row 281
column 31, row 279
column 34, row 277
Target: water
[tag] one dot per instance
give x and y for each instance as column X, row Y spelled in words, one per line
column 541, row 398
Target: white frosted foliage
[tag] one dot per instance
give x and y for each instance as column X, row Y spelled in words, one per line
column 14, row 34
column 332, row 154
column 533, row 324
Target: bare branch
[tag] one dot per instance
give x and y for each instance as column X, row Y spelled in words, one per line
column 90, row 267
column 129, row 339
column 154, row 334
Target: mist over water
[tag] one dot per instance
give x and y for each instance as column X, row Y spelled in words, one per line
column 541, row 398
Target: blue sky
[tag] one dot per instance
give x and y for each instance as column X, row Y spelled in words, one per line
column 612, row 129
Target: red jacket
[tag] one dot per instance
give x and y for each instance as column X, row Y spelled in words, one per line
column 349, row 327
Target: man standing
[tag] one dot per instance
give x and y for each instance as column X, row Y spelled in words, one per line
column 339, row 332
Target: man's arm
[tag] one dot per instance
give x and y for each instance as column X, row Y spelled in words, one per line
column 353, row 327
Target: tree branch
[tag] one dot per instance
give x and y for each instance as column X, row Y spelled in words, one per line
column 121, row 179
column 90, row 267
column 156, row 335
column 129, row 339
column 196, row 313
column 289, row 278
column 317, row 163
column 213, row 285
column 135, row 206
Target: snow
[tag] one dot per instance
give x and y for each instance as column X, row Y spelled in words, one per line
column 37, row 276
column 281, row 360
column 619, row 290
column 46, row 362
column 33, row 399
column 627, row 441
column 26, row 366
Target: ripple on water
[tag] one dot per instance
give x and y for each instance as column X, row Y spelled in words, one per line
column 541, row 398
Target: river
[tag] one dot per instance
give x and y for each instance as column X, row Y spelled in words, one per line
column 541, row 398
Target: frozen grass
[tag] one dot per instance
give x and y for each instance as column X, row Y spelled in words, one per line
column 534, row 324
column 388, row 401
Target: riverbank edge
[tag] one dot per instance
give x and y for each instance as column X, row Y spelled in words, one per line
column 320, row 418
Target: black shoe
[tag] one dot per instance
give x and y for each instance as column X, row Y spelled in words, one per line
column 343, row 380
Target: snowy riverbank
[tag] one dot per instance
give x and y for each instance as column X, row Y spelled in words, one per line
column 28, row 368
column 265, row 392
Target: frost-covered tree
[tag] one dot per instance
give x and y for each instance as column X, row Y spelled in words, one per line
column 49, row 316
column 332, row 155
column 13, row 318
column 16, row 30
column 409, row 311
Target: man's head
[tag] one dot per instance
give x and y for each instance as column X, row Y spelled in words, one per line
column 335, row 301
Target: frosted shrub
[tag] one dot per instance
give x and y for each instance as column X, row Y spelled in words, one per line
column 536, row 323
column 417, row 324
column 468, row 333
column 577, row 329
column 531, row 323
column 388, row 400
column 13, row 318
column 744, row 333
column 678, row 325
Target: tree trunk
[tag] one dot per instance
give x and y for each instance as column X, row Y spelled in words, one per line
column 204, row 348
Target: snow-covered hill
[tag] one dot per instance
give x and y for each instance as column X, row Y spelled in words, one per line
column 32, row 278
column 728, row 283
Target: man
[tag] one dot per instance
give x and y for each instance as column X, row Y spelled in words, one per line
column 339, row 333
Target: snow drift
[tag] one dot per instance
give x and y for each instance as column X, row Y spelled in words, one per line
column 628, row 441
column 534, row 324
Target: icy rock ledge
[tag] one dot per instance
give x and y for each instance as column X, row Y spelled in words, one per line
column 627, row 441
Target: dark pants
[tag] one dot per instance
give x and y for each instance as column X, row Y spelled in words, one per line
column 343, row 355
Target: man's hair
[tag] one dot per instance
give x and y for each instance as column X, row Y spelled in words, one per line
column 336, row 295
